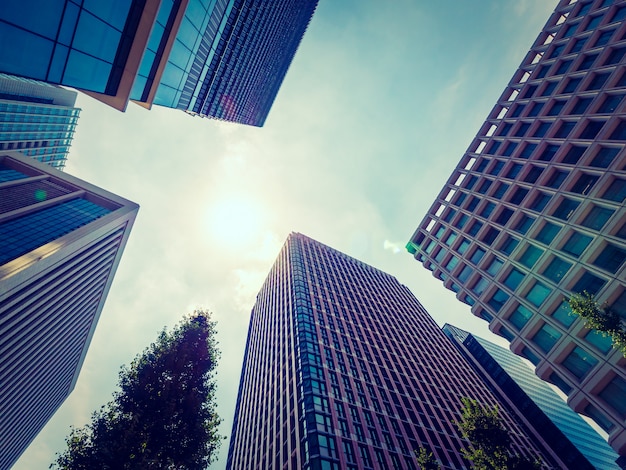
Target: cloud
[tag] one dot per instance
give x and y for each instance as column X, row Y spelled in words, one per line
column 395, row 248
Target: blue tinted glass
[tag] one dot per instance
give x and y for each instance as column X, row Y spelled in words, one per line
column 537, row 294
column 23, row 53
column 69, row 24
column 7, row 174
column 24, row 234
column 83, row 71
column 96, row 38
column 22, row 13
column 113, row 12
column 55, row 74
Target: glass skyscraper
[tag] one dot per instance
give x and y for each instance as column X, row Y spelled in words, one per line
column 344, row 369
column 535, row 402
column 535, row 209
column 61, row 240
column 37, row 118
column 224, row 59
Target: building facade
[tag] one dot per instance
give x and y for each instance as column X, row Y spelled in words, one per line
column 535, row 402
column 224, row 59
column 344, row 368
column 37, row 119
column 61, row 240
column 535, row 209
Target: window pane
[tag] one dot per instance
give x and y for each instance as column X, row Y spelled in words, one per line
column 616, row 191
column 589, row 283
column 546, row 337
column 564, row 315
column 530, row 256
column 513, row 279
column 498, row 299
column 537, row 294
column 565, row 209
column 494, row 266
column 547, row 233
column 597, row 217
column 508, row 245
column 601, row 341
column 614, row 394
column 579, row 362
column 611, row 258
column 576, row 244
column 520, row 317
column 557, row 269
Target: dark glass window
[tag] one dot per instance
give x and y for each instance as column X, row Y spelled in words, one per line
column 540, row 202
column 563, row 314
column 529, row 91
column 460, row 198
column 522, row 129
column 556, row 269
column 474, row 228
column 517, row 111
column 610, row 103
column 581, row 106
column 487, row 209
column 565, row 209
column 538, row 294
column 535, row 108
column 556, row 51
column 620, row 14
column 610, row 258
column 542, row 71
column 509, row 245
column 598, row 81
column 530, row 256
column 542, row 129
column 524, row 224
column 616, row 191
column 546, row 337
column 564, row 129
column 615, row 390
column 560, row 383
column 587, row 61
column 576, row 244
column 518, row 196
column 463, row 218
column 571, row 85
column 578, row 45
column 505, row 128
column 490, row 236
column 594, row 22
column 556, row 179
column 494, row 266
column 591, row 130
column 573, row 154
column 584, row 183
column 513, row 170
column 556, row 107
column 615, row 56
column 504, row 216
column 563, row 67
column 620, row 132
column 589, row 283
column 482, row 165
column 496, row 168
column 604, row 38
column 514, row 279
column 570, row 30
column 547, row 233
column 520, row 317
column 501, row 188
column 498, row 299
column 549, row 89
column 597, row 217
column 484, row 186
column 463, row 245
column 477, row 255
column 465, row 274
column 527, row 150
column 473, row 202
column 495, row 145
column 470, row 182
column 533, row 174
column 509, row 149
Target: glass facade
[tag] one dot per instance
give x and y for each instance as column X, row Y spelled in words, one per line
column 561, row 221
column 344, row 369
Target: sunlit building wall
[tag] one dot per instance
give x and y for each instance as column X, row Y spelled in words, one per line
column 535, row 402
column 344, row 369
column 61, row 240
column 535, row 209
column 224, row 59
column 37, row 118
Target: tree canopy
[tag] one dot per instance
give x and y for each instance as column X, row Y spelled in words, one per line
column 163, row 415
column 601, row 318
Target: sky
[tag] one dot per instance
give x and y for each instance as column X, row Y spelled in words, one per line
column 380, row 103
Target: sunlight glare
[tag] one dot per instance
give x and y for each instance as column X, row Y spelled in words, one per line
column 233, row 221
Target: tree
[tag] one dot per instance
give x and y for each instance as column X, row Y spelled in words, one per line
column 601, row 318
column 426, row 460
column 484, row 429
column 163, row 416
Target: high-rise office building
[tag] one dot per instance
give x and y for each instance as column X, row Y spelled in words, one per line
column 535, row 209
column 61, row 240
column 535, row 402
column 224, row 59
column 344, row 368
column 37, row 118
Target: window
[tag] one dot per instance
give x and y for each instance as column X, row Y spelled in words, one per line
column 506, row 333
column 498, row 299
column 480, row 286
column 475, row 228
column 584, row 183
column 450, row 239
column 470, row 182
column 619, row 305
column 531, row 356
column 589, row 283
column 591, row 130
column 463, row 245
column 533, row 174
column 597, row 217
column 579, row 362
column 560, row 383
column 473, row 202
column 581, row 106
column 593, row 22
column 616, row 191
column 587, row 61
column 556, row 179
column 538, row 294
column 518, row 196
column 571, row 85
column 599, row 418
column 494, row 266
column 610, row 103
column 542, row 71
column 504, row 216
column 505, row 127
column 501, row 188
column 477, row 255
column 548, row 153
column 451, row 264
column 520, row 132
column 603, row 38
column 449, row 215
column 556, row 270
column 610, row 258
column 509, row 245
column 556, row 51
column 540, row 202
column 528, row 150
column 547, row 91
column 524, row 224
column 514, row 279
column 490, row 236
column 520, row 317
column 614, row 394
column 563, row 314
column 563, row 67
column 487, row 209
column 465, row 274
column 514, row 170
column 615, row 56
column 535, row 109
column 620, row 132
column 547, row 233
column 576, row 244
column 462, row 221
column 509, row 149
column 604, row 157
column 496, row 168
column 546, row 337
column 564, row 129
column 542, row 129
column 529, row 91
column 599, row 340
column 565, row 209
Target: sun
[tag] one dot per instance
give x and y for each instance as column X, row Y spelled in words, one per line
column 234, row 220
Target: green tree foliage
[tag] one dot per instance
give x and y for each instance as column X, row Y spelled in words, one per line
column 484, row 429
column 426, row 460
column 602, row 318
column 163, row 416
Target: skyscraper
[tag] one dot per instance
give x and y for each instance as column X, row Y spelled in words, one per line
column 37, row 118
column 61, row 240
column 224, row 59
column 344, row 368
column 535, row 402
column 535, row 209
